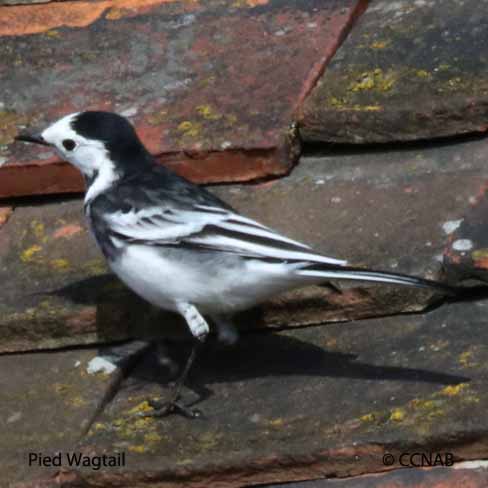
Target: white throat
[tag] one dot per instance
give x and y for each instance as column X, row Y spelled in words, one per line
column 105, row 178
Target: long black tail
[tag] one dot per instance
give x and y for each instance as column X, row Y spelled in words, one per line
column 328, row 272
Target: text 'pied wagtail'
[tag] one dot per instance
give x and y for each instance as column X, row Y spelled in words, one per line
column 177, row 245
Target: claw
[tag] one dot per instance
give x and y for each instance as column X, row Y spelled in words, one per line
column 163, row 409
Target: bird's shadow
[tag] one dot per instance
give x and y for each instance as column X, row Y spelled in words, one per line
column 258, row 354
column 267, row 354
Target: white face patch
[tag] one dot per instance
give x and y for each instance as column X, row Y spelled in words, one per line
column 88, row 155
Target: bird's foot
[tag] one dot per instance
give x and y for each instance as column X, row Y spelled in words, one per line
column 163, row 409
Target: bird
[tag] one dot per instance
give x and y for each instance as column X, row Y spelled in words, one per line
column 179, row 246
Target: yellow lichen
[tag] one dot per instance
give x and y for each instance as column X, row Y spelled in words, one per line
column 76, row 401
column 379, row 44
column 53, row 34
column 368, row 108
column 142, row 423
column 138, row 448
column 207, row 81
column 369, row 417
column 185, row 125
column 38, row 230
column 157, row 118
column 96, row 266
column 423, row 404
column 29, row 254
column 453, row 390
column 398, row 414
column 254, row 3
column 142, row 407
column 184, row 462
column 421, row 73
column 60, row 264
column 466, row 359
column 231, row 119
column 152, row 437
column 209, row 440
column 248, row 3
column 9, row 123
column 190, row 129
column 341, row 104
column 480, row 254
column 373, row 80
column 61, row 388
column 443, row 67
column 46, row 304
column 207, row 112
column 276, row 422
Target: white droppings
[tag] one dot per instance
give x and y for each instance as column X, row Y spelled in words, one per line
column 100, row 365
column 451, row 225
column 226, row 144
column 336, row 199
column 428, row 243
column 319, row 182
column 479, row 464
column 280, row 33
column 2, row 161
column 129, row 112
column 462, row 245
column 439, row 258
column 472, row 200
column 421, row 349
column 77, row 364
column 312, row 25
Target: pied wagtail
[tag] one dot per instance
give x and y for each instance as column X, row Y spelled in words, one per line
column 177, row 245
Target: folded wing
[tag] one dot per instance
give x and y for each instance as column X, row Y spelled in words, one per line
column 211, row 228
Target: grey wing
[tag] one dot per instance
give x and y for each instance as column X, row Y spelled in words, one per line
column 211, row 228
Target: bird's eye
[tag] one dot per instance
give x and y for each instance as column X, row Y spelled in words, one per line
column 69, row 144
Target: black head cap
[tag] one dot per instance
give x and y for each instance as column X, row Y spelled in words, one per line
column 116, row 132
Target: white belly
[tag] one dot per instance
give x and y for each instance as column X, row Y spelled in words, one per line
column 213, row 283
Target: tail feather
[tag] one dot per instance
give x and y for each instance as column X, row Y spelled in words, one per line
column 358, row 274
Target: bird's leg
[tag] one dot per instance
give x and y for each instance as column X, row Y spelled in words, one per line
column 199, row 329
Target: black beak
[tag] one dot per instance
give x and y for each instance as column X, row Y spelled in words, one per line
column 37, row 139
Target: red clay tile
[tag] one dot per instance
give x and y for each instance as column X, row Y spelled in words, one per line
column 211, row 86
